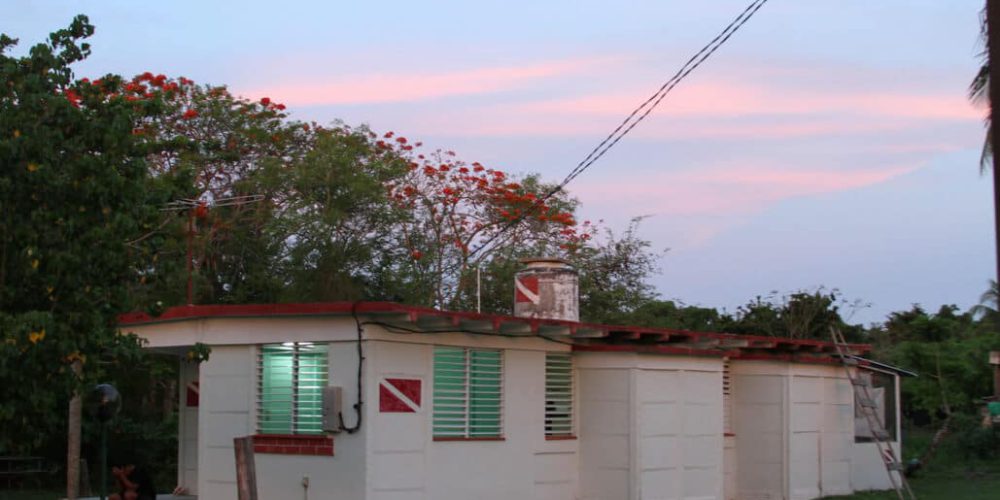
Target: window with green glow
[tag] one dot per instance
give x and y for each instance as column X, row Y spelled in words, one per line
column 290, row 382
column 468, row 392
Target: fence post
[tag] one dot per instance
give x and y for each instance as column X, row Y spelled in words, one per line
column 246, row 471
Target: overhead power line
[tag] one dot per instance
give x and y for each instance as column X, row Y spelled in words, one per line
column 637, row 115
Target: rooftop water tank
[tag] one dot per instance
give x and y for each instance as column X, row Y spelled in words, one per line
column 547, row 288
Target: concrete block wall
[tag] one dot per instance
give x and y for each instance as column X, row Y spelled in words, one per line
column 794, row 430
column 227, row 410
column 651, row 427
column 405, row 462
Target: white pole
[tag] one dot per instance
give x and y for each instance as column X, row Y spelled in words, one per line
column 479, row 280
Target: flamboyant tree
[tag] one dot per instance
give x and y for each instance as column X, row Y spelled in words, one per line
column 459, row 216
column 219, row 233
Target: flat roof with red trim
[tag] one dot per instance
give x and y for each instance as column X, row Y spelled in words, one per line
column 583, row 336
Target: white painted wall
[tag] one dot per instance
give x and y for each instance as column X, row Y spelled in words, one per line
column 227, row 380
column 794, row 426
column 868, row 471
column 837, row 434
column 187, row 431
column 342, row 476
column 228, row 402
column 821, row 431
column 606, row 445
column 246, row 331
column 759, row 423
column 651, row 426
column 403, row 460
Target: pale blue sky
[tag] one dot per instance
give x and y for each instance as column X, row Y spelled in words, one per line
column 829, row 143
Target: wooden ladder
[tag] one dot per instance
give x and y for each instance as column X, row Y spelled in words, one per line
column 864, row 401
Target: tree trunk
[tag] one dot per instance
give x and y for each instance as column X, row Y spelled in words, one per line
column 73, row 440
column 993, row 51
column 946, row 408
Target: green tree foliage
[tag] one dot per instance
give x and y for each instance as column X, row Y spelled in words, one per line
column 73, row 190
column 671, row 314
column 614, row 275
column 949, row 350
column 799, row 315
column 334, row 219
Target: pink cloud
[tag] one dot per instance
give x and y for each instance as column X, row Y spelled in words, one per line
column 410, row 86
column 726, row 190
column 699, row 205
column 740, row 100
column 715, row 110
column 499, row 122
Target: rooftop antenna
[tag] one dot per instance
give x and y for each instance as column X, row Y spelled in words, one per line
column 199, row 207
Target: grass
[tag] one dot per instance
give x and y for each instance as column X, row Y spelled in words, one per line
column 32, row 494
column 955, row 473
column 943, row 486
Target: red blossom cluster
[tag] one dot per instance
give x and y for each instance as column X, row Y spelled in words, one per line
column 142, row 88
column 179, row 93
column 270, row 105
column 464, row 204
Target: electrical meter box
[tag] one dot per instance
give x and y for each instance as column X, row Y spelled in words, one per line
column 332, row 403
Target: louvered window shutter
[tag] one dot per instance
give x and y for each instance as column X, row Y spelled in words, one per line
column 468, row 392
column 290, row 383
column 558, row 394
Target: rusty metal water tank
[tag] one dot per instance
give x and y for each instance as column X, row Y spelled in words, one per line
column 547, row 288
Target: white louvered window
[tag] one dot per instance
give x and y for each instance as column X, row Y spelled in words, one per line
column 468, row 393
column 727, row 399
column 558, row 394
column 290, row 382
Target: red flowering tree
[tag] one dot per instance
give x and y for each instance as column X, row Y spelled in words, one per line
column 222, row 138
column 460, row 216
column 222, row 148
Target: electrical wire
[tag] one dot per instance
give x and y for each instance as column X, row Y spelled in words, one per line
column 361, row 359
column 636, row 116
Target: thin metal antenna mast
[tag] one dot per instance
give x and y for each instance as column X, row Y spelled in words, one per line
column 192, row 206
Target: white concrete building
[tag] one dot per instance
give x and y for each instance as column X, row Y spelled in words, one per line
column 462, row 406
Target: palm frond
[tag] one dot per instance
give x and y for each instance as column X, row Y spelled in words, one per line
column 979, row 94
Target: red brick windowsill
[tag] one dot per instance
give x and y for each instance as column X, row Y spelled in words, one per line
column 458, row 438
column 292, row 444
column 560, row 437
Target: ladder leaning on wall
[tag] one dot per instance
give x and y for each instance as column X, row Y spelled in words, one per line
column 864, row 402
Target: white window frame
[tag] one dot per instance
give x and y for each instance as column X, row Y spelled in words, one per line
column 305, row 411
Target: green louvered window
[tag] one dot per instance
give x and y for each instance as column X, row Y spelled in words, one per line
column 468, row 393
column 290, row 382
column 558, row 394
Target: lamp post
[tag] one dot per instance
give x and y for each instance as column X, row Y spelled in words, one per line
column 107, row 402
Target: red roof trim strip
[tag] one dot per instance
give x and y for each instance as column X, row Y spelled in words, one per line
column 587, row 336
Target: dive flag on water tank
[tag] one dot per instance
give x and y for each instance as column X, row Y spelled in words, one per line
column 399, row 395
column 526, row 289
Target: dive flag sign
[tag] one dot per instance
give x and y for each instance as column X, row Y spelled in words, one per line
column 399, row 395
column 526, row 289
